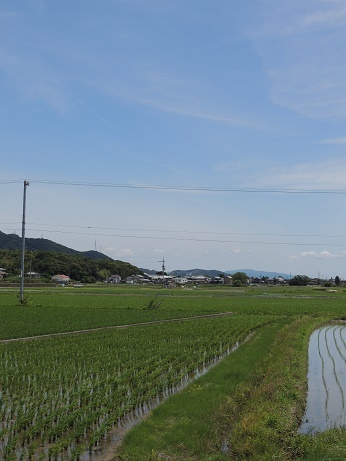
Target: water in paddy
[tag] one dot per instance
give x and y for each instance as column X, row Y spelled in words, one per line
column 326, row 406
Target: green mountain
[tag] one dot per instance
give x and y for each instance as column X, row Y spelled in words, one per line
column 13, row 242
column 50, row 258
column 216, row 273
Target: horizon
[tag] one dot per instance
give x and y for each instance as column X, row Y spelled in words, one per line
column 227, row 271
column 209, row 134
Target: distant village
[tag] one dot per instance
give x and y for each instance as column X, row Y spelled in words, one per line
column 172, row 281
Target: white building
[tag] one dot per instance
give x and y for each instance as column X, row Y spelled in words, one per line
column 114, row 279
column 60, row 278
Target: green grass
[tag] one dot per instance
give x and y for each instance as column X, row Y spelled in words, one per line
column 51, row 310
column 71, row 390
column 251, row 403
column 188, row 425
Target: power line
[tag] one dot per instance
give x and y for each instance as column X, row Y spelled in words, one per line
column 141, row 237
column 181, row 188
column 179, row 231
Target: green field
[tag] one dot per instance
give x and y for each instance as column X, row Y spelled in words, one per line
column 84, row 363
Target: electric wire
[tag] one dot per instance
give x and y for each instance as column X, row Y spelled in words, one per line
column 180, row 188
column 186, row 189
column 141, row 237
column 177, row 231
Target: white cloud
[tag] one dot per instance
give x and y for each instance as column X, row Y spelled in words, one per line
column 299, row 44
column 239, row 251
column 329, row 17
column 170, row 93
column 194, row 112
column 125, row 252
column 305, row 176
column 319, row 255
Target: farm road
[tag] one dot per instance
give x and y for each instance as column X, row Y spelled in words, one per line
column 112, row 327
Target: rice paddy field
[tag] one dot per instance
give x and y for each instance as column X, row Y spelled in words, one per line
column 105, row 373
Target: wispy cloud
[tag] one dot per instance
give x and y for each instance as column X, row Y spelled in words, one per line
column 199, row 114
column 329, row 16
column 31, row 82
column 319, row 255
column 341, row 140
column 299, row 45
column 305, row 176
column 171, row 93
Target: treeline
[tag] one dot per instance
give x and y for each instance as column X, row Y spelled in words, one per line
column 76, row 266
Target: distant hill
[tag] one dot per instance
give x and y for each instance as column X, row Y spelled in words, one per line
column 216, row 273
column 13, row 242
column 147, row 271
column 188, row 272
column 195, row 272
column 93, row 254
column 254, row 273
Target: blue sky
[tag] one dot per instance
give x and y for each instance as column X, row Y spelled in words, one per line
column 194, row 94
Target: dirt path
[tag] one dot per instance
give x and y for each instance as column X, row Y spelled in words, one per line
column 90, row 330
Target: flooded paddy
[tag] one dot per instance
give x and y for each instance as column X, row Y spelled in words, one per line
column 326, row 397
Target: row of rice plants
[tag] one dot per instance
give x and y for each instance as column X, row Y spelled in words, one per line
column 60, row 396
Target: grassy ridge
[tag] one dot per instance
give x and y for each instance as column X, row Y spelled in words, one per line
column 194, row 422
column 248, row 407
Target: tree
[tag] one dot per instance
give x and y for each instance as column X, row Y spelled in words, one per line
column 337, row 280
column 299, row 280
column 104, row 274
column 77, row 266
column 239, row 279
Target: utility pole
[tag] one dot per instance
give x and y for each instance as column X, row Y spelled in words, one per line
column 163, row 272
column 26, row 183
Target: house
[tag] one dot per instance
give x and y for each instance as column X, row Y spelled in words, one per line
column 60, row 278
column 227, row 280
column 34, row 275
column 181, row 280
column 114, row 279
column 134, row 279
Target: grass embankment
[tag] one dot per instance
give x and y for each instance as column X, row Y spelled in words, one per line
column 263, row 422
column 248, row 407
column 245, row 406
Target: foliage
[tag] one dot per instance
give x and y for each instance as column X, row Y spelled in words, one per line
column 239, row 279
column 299, row 280
column 328, row 284
column 153, row 304
column 191, row 420
column 76, row 266
column 68, row 392
column 337, row 280
column 14, row 242
column 78, row 387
